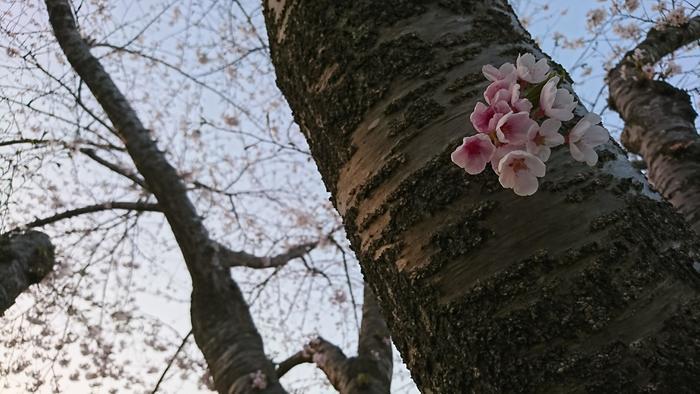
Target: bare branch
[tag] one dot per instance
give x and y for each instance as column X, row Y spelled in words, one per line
column 115, row 168
column 297, row 358
column 107, row 206
column 375, row 343
column 31, row 141
column 170, row 362
column 230, row 258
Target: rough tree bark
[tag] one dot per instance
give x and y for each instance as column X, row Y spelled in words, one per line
column 660, row 120
column 369, row 372
column 25, row 259
column 587, row 286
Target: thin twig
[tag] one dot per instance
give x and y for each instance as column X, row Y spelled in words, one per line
column 172, row 359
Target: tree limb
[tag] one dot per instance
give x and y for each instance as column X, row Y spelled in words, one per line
column 660, row 119
column 31, row 141
column 582, row 287
column 25, row 259
column 368, row 372
column 221, row 322
column 107, row 206
column 170, row 362
column 375, row 342
column 230, row 258
column 115, row 168
column 297, row 358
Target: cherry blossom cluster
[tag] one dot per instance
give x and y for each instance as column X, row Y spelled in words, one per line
column 520, row 123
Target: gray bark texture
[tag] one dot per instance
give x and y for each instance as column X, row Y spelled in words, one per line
column 660, row 120
column 587, row 286
column 25, row 259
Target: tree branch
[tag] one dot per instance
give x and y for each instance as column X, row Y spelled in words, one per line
column 297, row 358
column 660, row 119
column 115, row 168
column 107, row 206
column 230, row 258
column 660, row 43
column 375, row 342
column 330, row 359
column 221, row 322
column 369, row 372
column 25, row 259
column 31, row 141
column 170, row 362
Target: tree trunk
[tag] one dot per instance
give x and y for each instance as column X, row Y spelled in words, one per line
column 586, row 286
column 25, row 259
column 660, row 120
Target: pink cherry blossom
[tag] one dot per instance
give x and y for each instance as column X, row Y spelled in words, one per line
column 514, row 143
column 506, row 71
column 585, row 136
column 557, row 103
column 497, row 91
column 474, row 153
column 519, row 171
column 512, row 128
column 531, row 71
column 540, row 139
column 484, row 118
column 519, row 104
column 500, row 152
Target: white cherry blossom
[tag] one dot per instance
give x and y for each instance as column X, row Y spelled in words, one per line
column 507, row 71
column 557, row 103
column 530, row 70
column 585, row 136
column 512, row 128
column 540, row 139
column 519, row 171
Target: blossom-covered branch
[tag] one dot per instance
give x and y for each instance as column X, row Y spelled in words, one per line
column 509, row 134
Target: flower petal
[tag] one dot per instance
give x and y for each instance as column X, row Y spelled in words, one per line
column 525, row 184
